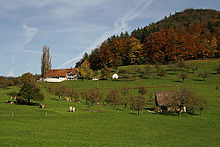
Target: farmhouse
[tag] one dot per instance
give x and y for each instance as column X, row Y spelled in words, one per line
column 59, row 75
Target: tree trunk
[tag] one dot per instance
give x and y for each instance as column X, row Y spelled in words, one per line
column 138, row 112
column 125, row 106
column 29, row 101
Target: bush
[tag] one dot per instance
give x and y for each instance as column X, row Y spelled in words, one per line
column 203, row 75
column 161, row 73
column 137, row 103
column 184, row 97
column 172, row 67
column 183, row 76
column 113, row 97
column 142, row 90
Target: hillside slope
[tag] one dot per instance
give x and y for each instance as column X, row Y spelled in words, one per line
column 191, row 34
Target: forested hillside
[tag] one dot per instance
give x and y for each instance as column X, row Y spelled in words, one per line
column 191, row 34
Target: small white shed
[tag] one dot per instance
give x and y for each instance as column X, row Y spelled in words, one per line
column 115, row 76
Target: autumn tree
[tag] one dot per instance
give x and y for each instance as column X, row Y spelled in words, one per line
column 183, row 76
column 3, row 82
column 217, row 69
column 85, row 71
column 73, row 93
column 85, row 94
column 142, row 90
column 172, row 67
column 135, row 51
column 193, row 67
column 105, row 72
column 147, row 71
column 60, row 90
column 45, row 60
column 203, row 75
column 184, row 97
column 85, row 57
column 125, row 91
column 113, row 97
column 94, row 96
column 137, row 103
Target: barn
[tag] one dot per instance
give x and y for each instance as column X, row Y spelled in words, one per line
column 59, row 75
column 161, row 100
column 164, row 100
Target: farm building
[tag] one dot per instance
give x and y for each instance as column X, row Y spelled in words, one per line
column 59, row 75
column 164, row 100
column 161, row 100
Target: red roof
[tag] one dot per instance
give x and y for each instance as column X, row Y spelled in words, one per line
column 60, row 72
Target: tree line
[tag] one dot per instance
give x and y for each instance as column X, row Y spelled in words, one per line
column 177, row 37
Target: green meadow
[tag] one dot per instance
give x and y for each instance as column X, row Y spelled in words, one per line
column 23, row 125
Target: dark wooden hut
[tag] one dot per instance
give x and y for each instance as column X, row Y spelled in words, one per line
column 162, row 100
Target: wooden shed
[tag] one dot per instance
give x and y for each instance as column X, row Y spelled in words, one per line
column 161, row 100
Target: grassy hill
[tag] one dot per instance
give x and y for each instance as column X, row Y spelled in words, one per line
column 23, row 125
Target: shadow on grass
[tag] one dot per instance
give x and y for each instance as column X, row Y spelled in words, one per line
column 176, row 114
column 33, row 104
column 172, row 73
column 190, row 113
column 178, row 81
column 150, row 109
column 167, row 113
column 30, row 104
column 132, row 113
column 197, row 80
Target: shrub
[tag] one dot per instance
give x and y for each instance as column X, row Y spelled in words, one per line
column 172, row 67
column 183, row 76
column 113, row 97
column 161, row 73
column 137, row 103
column 203, row 75
column 142, row 90
column 218, row 68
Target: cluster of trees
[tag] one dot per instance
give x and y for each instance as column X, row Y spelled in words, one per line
column 191, row 34
column 180, row 68
column 13, row 81
column 29, row 90
column 6, row 82
column 123, row 97
column 184, row 97
column 86, row 72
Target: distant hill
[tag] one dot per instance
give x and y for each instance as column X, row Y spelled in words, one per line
column 191, row 34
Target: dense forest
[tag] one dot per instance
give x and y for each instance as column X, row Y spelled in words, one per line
column 191, row 34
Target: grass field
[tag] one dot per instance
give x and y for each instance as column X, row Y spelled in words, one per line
column 23, row 125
